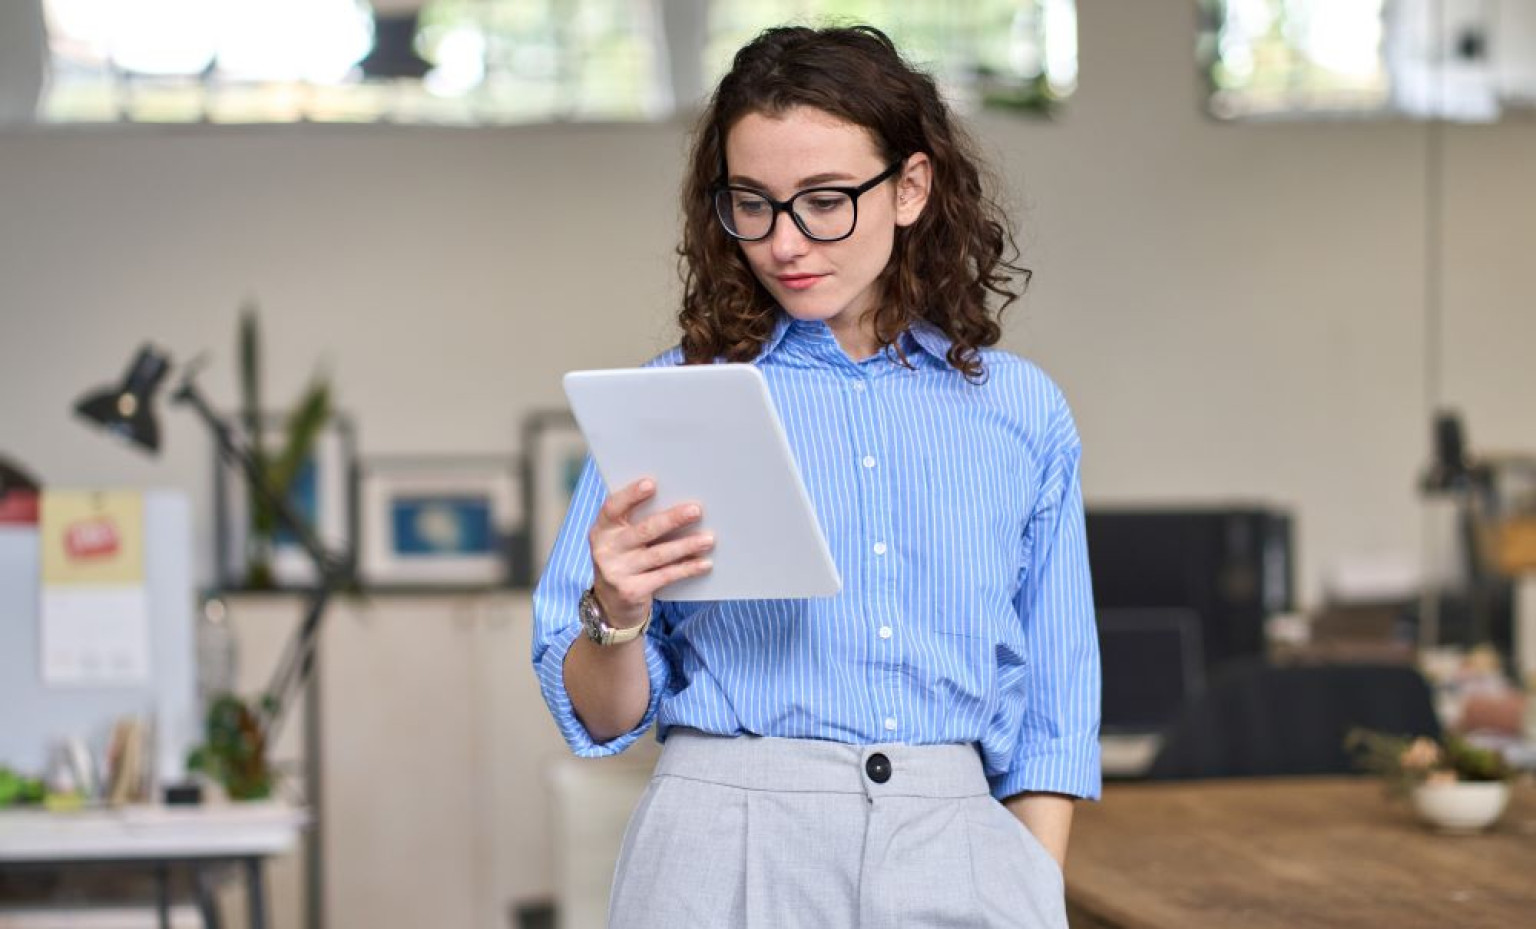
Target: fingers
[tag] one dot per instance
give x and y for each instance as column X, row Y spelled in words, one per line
column 632, row 560
column 678, row 571
column 619, row 505
column 613, row 526
column 628, row 599
column 662, row 554
column 627, row 570
column 667, row 521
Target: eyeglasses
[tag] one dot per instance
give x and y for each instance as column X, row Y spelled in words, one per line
column 824, row 214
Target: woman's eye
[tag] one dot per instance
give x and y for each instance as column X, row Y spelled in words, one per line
column 826, row 204
column 751, row 206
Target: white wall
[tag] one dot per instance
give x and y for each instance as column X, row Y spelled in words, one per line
column 1235, row 311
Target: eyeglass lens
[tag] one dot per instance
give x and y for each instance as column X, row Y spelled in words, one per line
column 820, row 214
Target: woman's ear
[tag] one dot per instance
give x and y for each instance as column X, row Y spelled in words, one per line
column 913, row 185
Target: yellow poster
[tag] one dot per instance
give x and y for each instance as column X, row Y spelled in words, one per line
column 95, row 605
column 92, row 538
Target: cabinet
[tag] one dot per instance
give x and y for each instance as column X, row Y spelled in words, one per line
column 439, row 763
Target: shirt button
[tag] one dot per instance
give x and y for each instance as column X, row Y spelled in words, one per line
column 869, row 461
column 858, row 386
column 885, row 632
column 890, row 724
column 879, row 548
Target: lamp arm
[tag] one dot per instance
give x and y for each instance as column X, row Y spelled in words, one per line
column 334, row 571
column 293, row 668
column 240, row 456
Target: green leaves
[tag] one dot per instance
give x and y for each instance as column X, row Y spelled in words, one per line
column 16, row 790
column 235, row 751
column 1404, row 761
column 1474, row 764
column 300, row 434
column 302, row 430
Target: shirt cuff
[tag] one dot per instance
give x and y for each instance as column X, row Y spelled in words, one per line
column 552, row 682
column 1068, row 765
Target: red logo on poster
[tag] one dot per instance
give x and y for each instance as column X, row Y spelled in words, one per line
column 94, row 539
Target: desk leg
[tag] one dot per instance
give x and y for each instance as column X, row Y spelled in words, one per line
column 207, row 900
column 256, row 893
column 163, row 895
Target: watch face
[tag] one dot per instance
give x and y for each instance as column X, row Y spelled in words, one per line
column 591, row 619
column 597, row 628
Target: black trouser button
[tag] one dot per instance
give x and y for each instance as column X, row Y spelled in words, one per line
column 878, row 767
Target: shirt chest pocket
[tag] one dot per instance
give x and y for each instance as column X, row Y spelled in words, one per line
column 974, row 510
column 970, row 521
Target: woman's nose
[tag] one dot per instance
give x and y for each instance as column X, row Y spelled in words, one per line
column 787, row 240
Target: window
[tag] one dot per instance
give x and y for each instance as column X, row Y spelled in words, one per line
column 997, row 53
column 1456, row 59
column 1271, row 57
column 447, row 61
column 468, row 62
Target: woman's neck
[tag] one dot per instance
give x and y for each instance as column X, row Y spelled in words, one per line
column 857, row 338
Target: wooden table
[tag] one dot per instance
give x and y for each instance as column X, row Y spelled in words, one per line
column 1292, row 852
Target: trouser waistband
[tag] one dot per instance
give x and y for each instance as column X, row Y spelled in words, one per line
column 812, row 765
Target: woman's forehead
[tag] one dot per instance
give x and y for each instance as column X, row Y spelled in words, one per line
column 796, row 143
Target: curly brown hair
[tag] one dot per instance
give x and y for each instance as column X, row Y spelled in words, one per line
column 943, row 267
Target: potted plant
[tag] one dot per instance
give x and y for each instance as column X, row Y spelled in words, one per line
column 282, row 468
column 235, row 751
column 1454, row 786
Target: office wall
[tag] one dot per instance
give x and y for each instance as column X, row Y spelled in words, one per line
column 1235, row 311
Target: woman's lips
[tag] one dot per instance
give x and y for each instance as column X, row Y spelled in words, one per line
column 800, row 281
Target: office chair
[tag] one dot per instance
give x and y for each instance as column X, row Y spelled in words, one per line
column 1259, row 720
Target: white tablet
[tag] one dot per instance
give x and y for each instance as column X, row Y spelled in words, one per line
column 710, row 434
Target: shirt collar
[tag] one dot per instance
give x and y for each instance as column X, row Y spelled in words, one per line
column 921, row 335
column 931, row 339
column 780, row 329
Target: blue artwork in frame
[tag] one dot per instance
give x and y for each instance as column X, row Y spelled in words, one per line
column 425, row 526
column 439, row 521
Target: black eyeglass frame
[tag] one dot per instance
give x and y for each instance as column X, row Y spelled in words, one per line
column 788, row 206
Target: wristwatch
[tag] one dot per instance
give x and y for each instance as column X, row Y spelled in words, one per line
column 595, row 625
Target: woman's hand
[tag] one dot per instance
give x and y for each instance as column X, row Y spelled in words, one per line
column 630, row 564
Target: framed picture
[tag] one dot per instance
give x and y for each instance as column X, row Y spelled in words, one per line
column 439, row 522
column 554, row 452
column 324, row 492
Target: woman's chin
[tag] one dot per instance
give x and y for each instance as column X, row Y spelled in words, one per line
column 808, row 311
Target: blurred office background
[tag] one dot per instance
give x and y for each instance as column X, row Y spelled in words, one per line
column 1256, row 287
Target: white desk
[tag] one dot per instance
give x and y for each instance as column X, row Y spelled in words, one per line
column 159, row 838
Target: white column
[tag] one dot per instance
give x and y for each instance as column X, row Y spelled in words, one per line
column 23, row 60
column 684, row 30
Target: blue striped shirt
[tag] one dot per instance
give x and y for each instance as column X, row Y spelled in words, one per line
column 954, row 514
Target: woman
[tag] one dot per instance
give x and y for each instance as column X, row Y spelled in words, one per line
column 908, row 752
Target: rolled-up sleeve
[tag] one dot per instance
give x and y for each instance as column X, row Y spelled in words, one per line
column 556, row 624
column 1058, row 745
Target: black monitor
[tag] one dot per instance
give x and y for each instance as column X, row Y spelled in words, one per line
column 1152, row 664
column 1231, row 566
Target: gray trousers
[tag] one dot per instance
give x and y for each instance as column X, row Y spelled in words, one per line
column 758, row 833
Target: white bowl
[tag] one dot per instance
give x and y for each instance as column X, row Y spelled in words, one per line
column 1465, row 806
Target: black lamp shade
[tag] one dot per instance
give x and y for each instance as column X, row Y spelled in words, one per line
column 1450, row 445
column 394, row 48
column 127, row 410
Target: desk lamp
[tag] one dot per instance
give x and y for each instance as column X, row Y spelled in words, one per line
column 127, row 412
column 1469, row 483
